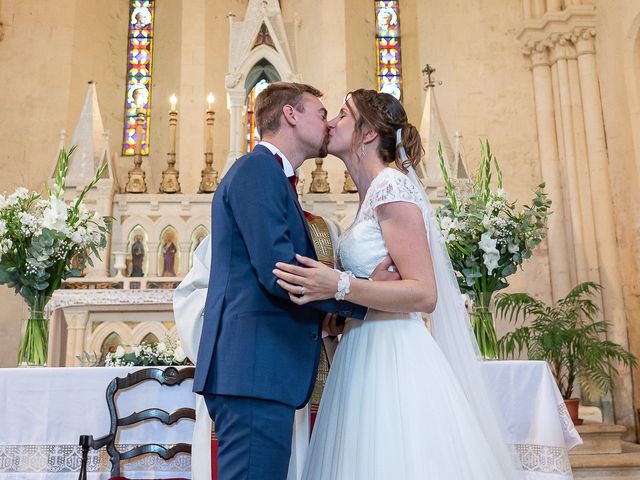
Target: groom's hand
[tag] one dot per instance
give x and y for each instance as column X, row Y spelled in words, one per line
column 331, row 325
column 385, row 271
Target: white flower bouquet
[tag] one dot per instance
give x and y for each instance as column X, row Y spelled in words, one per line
column 488, row 239
column 162, row 353
column 43, row 242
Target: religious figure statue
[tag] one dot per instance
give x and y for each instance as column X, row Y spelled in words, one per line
column 137, row 257
column 169, row 257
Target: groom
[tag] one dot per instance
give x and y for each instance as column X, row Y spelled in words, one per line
column 258, row 352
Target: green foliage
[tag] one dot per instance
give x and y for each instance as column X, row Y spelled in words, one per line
column 39, row 238
column 486, row 237
column 567, row 335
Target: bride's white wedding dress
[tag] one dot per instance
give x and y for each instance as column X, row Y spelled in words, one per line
column 392, row 407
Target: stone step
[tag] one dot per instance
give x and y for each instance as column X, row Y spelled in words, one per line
column 599, row 439
column 615, row 466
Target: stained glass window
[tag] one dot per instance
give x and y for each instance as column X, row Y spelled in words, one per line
column 138, row 95
column 388, row 48
column 252, row 131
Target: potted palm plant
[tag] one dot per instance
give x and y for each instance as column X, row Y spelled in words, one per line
column 569, row 336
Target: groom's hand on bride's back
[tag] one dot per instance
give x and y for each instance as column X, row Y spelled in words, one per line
column 385, row 271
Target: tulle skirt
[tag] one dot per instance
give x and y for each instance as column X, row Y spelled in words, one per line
column 392, row 409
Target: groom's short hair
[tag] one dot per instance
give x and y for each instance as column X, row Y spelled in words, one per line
column 271, row 100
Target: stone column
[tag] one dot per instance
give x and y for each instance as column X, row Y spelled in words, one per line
column 539, row 8
column 104, row 206
column 582, row 170
column 561, row 51
column 614, row 311
column 154, row 260
column 568, row 229
column 183, row 268
column 76, row 326
column 236, row 100
column 550, row 165
column 526, row 9
column 554, row 5
column 192, row 94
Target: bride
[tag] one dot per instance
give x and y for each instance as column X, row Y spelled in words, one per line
column 397, row 403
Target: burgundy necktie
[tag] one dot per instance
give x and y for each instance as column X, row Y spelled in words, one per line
column 293, row 179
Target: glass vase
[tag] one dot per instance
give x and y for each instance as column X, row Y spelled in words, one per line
column 34, row 347
column 484, row 327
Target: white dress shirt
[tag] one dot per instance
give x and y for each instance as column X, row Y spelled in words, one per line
column 286, row 165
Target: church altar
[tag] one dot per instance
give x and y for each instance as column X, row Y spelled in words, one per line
column 43, row 411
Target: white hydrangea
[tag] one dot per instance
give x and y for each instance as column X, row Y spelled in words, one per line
column 19, row 194
column 29, row 223
column 3, row 202
column 3, row 227
column 161, row 347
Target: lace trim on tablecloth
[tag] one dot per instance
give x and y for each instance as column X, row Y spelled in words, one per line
column 67, row 458
column 543, row 459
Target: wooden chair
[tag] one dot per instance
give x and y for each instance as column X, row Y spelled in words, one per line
column 169, row 377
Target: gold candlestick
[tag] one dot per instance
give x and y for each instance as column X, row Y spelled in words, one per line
column 349, row 184
column 136, row 182
column 209, row 181
column 319, row 179
column 170, row 182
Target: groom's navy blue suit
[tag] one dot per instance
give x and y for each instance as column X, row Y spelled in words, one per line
column 258, row 352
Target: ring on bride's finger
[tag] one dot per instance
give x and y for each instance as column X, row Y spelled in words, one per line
column 301, row 291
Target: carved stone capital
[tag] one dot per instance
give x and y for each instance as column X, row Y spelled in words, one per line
column 584, row 40
column 76, row 319
column 231, row 80
column 539, row 53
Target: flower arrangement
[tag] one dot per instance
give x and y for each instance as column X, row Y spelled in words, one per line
column 161, row 353
column 42, row 243
column 488, row 239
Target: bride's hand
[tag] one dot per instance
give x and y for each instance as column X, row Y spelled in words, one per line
column 312, row 281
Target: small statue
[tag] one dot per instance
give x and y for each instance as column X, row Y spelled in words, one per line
column 169, row 257
column 137, row 257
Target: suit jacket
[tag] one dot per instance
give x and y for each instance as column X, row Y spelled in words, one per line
column 255, row 342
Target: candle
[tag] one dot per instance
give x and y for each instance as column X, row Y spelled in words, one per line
column 210, row 100
column 173, row 100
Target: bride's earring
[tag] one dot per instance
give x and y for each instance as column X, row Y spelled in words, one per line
column 362, row 150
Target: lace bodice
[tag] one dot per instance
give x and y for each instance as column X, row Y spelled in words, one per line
column 361, row 247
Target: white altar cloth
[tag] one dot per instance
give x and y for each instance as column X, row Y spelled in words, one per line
column 43, row 411
column 537, row 420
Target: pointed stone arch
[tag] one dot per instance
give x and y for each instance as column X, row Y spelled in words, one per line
column 247, row 50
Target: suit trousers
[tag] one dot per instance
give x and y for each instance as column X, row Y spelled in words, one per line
column 254, row 437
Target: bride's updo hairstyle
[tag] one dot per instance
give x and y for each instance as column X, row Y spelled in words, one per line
column 384, row 114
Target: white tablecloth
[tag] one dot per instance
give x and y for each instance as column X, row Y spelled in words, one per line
column 538, row 423
column 43, row 411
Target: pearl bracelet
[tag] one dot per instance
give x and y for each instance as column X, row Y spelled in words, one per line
column 343, row 285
